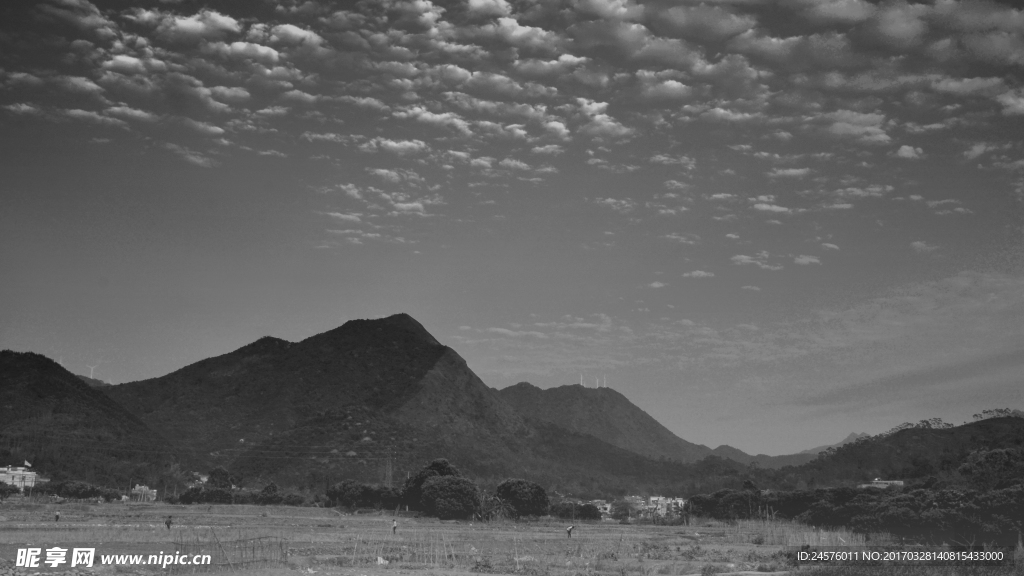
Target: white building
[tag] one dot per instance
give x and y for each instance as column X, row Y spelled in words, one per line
column 879, row 483
column 20, row 476
column 143, row 494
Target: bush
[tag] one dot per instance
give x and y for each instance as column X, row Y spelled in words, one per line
column 450, row 497
column 6, row 490
column 526, row 498
column 77, row 489
column 412, row 492
column 269, row 496
column 570, row 511
column 352, row 494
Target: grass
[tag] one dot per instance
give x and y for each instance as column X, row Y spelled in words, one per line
column 328, row 542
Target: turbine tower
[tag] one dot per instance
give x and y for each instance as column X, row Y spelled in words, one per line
column 92, row 369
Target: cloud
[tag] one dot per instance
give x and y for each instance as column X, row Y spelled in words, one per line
column 192, row 156
column 751, row 288
column 514, row 164
column 828, row 246
column 864, row 127
column 132, row 113
column 94, row 117
column 699, row 274
column 682, row 238
column 489, row 7
column 909, row 153
column 789, row 172
column 552, row 149
column 342, row 216
column 444, row 119
column 684, row 161
column 400, row 147
column 760, row 260
column 657, row 285
column 923, row 247
column 202, row 127
column 765, row 207
column 619, row 205
column 517, row 333
column 804, row 260
column 206, row 24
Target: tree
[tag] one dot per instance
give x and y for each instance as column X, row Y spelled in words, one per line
column 6, row 490
column 412, row 493
column 449, row 497
column 526, row 498
column 221, row 478
column 269, row 495
column 623, row 509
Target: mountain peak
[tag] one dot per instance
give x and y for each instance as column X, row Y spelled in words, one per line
column 402, row 326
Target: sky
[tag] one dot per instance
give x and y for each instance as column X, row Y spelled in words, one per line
column 768, row 224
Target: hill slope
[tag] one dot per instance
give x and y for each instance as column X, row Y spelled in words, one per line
column 343, row 403
column 53, row 419
column 604, row 414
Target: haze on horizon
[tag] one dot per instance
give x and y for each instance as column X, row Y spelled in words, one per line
column 768, row 224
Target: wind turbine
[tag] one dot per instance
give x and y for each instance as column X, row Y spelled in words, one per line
column 92, row 369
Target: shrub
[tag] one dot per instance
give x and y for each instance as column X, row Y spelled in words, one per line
column 77, row 489
column 569, row 511
column 269, row 495
column 526, row 498
column 6, row 490
column 412, row 492
column 449, row 497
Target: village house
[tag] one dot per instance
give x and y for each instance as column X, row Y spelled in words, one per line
column 20, row 476
column 879, row 483
column 143, row 494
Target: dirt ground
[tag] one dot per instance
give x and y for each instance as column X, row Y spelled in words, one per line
column 250, row 540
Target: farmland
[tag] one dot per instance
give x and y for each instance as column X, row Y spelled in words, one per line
column 327, row 541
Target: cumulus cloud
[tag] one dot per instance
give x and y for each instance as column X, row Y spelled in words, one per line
column 909, row 153
column 804, row 260
column 865, row 127
column 622, row 205
column 699, row 274
column 759, row 260
column 923, row 247
column 400, row 147
column 657, row 284
column 789, row 172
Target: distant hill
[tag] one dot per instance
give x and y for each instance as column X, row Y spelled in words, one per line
column 94, row 382
column 604, row 414
column 608, row 415
column 53, row 419
column 762, row 460
column 853, row 437
column 914, row 453
column 340, row 404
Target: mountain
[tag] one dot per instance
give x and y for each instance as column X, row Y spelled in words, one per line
column 853, row 437
column 608, row 415
column 604, row 414
column 345, row 402
column 93, row 382
column 914, row 452
column 53, row 419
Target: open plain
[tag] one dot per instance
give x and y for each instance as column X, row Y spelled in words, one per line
column 271, row 540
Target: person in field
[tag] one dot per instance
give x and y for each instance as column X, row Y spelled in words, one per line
column 394, row 526
column 56, row 517
column 169, row 521
column 568, row 531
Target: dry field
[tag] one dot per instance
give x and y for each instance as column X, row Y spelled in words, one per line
column 247, row 539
